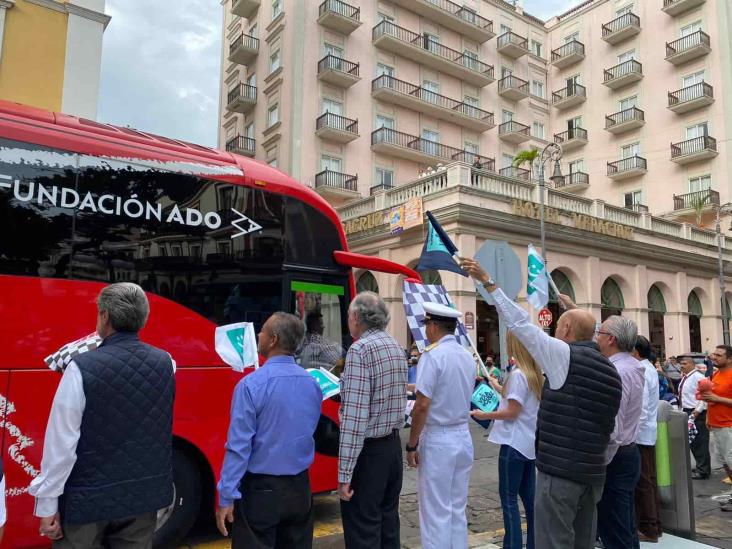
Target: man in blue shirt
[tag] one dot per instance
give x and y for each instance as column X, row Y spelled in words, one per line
column 264, row 488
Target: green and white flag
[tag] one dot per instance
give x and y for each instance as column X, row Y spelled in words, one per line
column 329, row 383
column 236, row 344
column 537, row 285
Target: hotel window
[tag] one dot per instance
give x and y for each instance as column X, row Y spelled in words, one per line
column 470, row 59
column 253, row 30
column 632, row 198
column 627, row 56
column 537, row 130
column 691, row 79
column 274, row 163
column 384, row 177
column 195, row 250
column 572, row 37
column 691, row 28
column 162, row 250
column 331, row 106
column 331, row 163
column 537, row 88
column 252, row 80
column 505, row 28
column 276, row 8
column 506, row 116
column 249, row 131
column 273, row 115
column 577, row 166
column 536, row 48
column 384, row 17
column 274, row 61
column 697, row 130
column 226, row 198
column 506, row 160
column 506, row 71
column 176, row 250
column 430, row 142
column 471, row 148
column 384, row 122
column 335, row 51
column 382, row 69
column 223, row 248
column 628, row 102
column 628, row 8
column 701, row 183
column 629, row 151
column 471, row 106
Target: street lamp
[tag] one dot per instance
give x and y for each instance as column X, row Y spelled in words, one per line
column 720, row 264
column 553, row 151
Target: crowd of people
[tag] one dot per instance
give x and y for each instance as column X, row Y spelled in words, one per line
column 576, row 427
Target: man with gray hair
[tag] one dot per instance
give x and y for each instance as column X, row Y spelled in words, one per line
column 108, row 445
column 616, row 524
column 372, row 411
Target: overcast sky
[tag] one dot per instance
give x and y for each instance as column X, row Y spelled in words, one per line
column 161, row 62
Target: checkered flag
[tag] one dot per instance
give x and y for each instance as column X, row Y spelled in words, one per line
column 414, row 296
column 59, row 360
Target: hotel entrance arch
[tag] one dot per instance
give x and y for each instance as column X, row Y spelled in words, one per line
column 694, row 307
column 656, row 312
column 367, row 283
column 564, row 285
column 612, row 302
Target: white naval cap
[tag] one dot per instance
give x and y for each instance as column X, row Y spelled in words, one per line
column 437, row 311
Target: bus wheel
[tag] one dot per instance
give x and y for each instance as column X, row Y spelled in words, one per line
column 175, row 521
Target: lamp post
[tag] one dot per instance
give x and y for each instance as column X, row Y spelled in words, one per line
column 553, row 151
column 720, row 264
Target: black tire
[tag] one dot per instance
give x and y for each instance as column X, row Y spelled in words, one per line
column 186, row 504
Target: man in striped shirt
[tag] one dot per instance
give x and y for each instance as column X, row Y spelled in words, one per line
column 373, row 397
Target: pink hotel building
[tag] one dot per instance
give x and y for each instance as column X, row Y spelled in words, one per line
column 376, row 102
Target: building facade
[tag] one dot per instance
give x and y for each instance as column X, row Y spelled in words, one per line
column 361, row 99
column 51, row 53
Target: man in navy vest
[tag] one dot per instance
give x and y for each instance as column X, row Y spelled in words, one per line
column 107, row 455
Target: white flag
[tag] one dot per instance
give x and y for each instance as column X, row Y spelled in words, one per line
column 537, row 286
column 236, row 344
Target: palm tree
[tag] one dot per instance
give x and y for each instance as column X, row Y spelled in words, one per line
column 526, row 156
column 698, row 203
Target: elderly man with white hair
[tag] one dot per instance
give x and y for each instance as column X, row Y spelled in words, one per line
column 616, row 524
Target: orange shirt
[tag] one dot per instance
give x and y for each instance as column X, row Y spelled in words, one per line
column 718, row 414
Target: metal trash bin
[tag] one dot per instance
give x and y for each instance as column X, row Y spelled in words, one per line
column 673, row 471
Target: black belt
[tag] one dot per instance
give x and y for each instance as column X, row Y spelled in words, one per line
column 393, row 434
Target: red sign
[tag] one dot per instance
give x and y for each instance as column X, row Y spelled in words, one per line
column 545, row 318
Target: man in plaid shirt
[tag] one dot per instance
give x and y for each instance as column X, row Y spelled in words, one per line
column 373, row 397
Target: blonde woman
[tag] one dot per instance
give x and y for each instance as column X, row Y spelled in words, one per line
column 514, row 430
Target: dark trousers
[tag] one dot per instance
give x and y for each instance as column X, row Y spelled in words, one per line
column 516, row 477
column 647, row 501
column 371, row 518
column 129, row 533
column 616, row 510
column 700, row 444
column 276, row 511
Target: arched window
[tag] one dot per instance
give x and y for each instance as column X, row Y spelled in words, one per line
column 367, row 283
column 612, row 302
column 431, row 277
column 564, row 285
column 656, row 328
column 693, row 304
column 656, row 303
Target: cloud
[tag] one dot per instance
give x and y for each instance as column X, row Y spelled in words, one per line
column 161, row 67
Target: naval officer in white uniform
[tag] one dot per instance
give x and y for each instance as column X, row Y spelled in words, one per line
column 439, row 442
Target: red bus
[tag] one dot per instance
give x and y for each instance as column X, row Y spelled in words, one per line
column 213, row 238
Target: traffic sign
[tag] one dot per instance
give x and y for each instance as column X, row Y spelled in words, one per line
column 545, row 318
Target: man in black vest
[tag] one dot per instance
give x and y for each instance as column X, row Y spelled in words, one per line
column 576, row 417
column 106, row 466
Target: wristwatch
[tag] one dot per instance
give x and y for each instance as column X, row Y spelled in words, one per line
column 489, row 282
column 409, row 448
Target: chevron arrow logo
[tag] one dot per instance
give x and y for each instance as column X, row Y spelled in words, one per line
column 244, row 224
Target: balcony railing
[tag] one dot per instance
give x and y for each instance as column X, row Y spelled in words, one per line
column 511, row 82
column 576, row 133
column 626, row 164
column 336, row 122
column 418, row 92
column 624, row 21
column 707, row 197
column 514, row 127
column 431, row 148
column 633, row 113
column 575, row 47
column 341, row 8
column 693, row 146
column 380, row 187
column 331, row 62
column 240, row 143
column 637, row 207
column 690, row 93
column 244, row 91
column 338, row 180
column 511, row 38
column 465, row 14
column 698, row 38
column 576, row 90
column 425, row 42
column 574, row 178
column 623, row 69
column 515, row 172
column 249, row 42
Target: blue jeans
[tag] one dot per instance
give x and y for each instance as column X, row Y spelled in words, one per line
column 516, row 477
column 616, row 511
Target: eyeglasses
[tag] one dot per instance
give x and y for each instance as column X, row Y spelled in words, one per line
column 598, row 332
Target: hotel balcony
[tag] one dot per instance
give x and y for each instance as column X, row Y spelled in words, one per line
column 571, row 139
column 512, row 45
column 337, row 71
column 390, row 89
column 243, row 49
column 686, row 203
column 621, row 28
column 694, row 150
column 568, row 54
column 637, row 207
column 241, row 98
column 623, row 74
column 379, row 188
column 514, row 132
column 627, row 167
column 452, row 16
column 624, row 121
column 691, row 98
column 332, row 184
column 575, row 181
column 244, row 146
column 690, row 47
column 423, row 50
column 516, row 173
column 677, row 7
column 339, row 16
column 244, row 8
column 569, row 96
column 424, row 151
column 513, row 88
column 334, row 127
